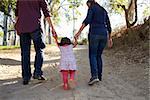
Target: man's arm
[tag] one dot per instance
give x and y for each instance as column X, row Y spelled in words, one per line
column 16, row 11
column 16, row 16
column 48, row 19
column 43, row 5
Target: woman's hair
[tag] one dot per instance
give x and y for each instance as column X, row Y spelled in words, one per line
column 65, row 41
column 92, row 2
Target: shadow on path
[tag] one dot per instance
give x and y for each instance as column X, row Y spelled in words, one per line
column 13, row 62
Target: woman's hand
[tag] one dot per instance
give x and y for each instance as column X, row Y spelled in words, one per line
column 77, row 35
column 79, row 32
column 110, row 42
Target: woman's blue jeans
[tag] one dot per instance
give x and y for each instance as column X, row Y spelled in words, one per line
column 97, row 44
column 25, row 43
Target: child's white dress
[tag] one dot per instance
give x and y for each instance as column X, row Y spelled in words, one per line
column 67, row 61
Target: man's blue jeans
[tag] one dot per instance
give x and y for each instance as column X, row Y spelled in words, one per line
column 25, row 43
column 97, row 44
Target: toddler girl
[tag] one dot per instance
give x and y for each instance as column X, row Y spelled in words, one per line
column 67, row 62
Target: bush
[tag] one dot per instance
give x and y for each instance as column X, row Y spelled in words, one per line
column 83, row 41
column 1, row 34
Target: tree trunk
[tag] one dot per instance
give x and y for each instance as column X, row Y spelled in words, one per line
column 49, row 36
column 5, row 30
column 14, row 42
column 130, row 12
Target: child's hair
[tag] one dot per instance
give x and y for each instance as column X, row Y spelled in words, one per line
column 65, row 41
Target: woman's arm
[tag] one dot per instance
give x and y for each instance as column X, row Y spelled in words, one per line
column 110, row 42
column 89, row 17
column 79, row 32
column 87, row 21
column 108, row 25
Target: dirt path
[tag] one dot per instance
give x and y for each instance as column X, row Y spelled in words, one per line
column 122, row 79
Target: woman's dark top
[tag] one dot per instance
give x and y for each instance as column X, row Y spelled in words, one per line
column 98, row 20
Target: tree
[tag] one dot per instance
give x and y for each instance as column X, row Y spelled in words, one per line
column 6, row 6
column 56, row 6
column 53, row 6
column 129, row 7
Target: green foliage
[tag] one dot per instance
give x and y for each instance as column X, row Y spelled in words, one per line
column 8, row 47
column 146, row 12
column 114, row 5
column 67, row 6
column 1, row 34
column 84, row 41
column 4, row 4
column 74, row 4
column 53, row 6
column 56, row 5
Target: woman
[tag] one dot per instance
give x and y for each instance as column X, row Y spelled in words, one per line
column 99, row 33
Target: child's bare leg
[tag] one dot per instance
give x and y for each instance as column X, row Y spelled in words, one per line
column 72, row 74
column 72, row 83
column 65, row 79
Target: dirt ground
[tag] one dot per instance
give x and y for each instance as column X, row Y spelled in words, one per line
column 124, row 78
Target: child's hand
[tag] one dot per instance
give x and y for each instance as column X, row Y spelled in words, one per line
column 54, row 35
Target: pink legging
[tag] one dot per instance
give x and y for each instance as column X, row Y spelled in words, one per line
column 65, row 74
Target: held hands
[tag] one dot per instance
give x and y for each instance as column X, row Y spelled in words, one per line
column 78, row 33
column 75, row 42
column 75, row 39
column 55, row 36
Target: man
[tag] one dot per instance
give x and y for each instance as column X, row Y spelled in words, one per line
column 28, row 15
column 99, row 34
